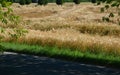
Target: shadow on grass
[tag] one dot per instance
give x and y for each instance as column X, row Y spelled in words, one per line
column 21, row 64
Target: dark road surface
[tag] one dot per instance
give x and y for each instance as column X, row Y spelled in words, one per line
column 20, row 64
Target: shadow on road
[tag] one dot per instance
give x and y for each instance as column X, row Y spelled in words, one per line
column 21, row 64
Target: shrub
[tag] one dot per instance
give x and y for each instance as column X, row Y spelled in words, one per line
column 59, row 2
column 76, row 1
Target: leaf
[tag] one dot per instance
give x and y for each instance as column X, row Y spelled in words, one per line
column 9, row 10
column 4, row 21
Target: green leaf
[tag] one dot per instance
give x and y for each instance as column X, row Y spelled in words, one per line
column 4, row 20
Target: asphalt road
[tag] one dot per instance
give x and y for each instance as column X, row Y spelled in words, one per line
column 21, row 64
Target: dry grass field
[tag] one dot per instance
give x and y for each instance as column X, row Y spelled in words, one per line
column 72, row 26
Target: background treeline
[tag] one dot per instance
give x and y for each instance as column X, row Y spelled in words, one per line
column 68, row 1
column 49, row 1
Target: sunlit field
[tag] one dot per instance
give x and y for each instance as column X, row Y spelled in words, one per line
column 78, row 27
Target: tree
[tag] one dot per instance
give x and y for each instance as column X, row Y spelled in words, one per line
column 42, row 2
column 76, row 1
column 28, row 2
column 34, row 1
column 93, row 1
column 108, row 5
column 22, row 2
column 46, row 2
column 59, row 2
column 4, row 3
column 10, row 0
column 6, row 17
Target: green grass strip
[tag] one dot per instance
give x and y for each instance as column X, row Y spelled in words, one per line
column 64, row 53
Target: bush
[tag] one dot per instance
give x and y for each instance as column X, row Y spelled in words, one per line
column 59, row 2
column 28, row 1
column 22, row 2
column 42, row 2
column 76, row 1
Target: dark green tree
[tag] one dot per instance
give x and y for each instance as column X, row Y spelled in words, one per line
column 28, row 2
column 34, row 1
column 10, row 1
column 76, row 1
column 93, row 1
column 45, row 2
column 59, row 2
column 22, row 2
column 42, row 2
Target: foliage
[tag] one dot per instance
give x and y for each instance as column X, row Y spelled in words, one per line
column 76, row 1
column 18, row 33
column 7, row 17
column 34, row 1
column 4, row 3
column 10, row 0
column 53, row 1
column 22, row 2
column 28, row 1
column 93, row 1
column 6, row 13
column 42, row 2
column 114, row 13
column 46, row 2
column 59, row 2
